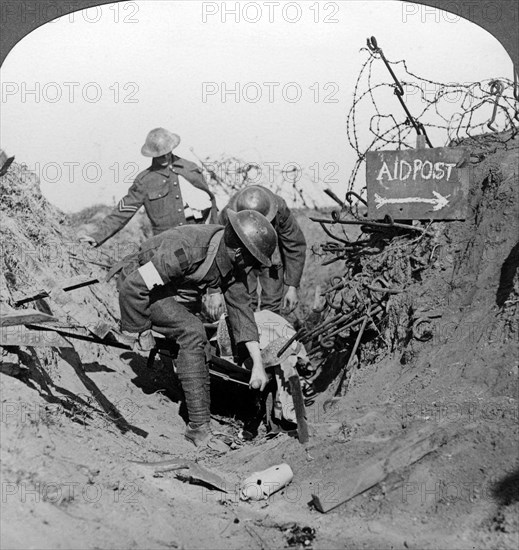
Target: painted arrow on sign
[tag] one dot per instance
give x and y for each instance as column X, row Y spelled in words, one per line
column 438, row 202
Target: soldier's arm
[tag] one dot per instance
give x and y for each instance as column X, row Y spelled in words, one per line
column 245, row 329
column 292, row 244
column 120, row 215
column 241, row 316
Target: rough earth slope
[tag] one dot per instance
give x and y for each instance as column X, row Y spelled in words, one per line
column 72, row 419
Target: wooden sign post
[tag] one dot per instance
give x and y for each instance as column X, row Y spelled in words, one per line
column 420, row 184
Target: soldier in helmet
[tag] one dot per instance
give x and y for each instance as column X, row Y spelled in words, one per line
column 287, row 263
column 151, row 296
column 159, row 190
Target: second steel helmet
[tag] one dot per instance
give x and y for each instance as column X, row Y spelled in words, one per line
column 255, row 197
column 159, row 142
column 255, row 232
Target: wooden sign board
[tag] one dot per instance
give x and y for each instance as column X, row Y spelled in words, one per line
column 419, row 184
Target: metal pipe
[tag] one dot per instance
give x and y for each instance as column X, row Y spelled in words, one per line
column 353, row 353
column 333, row 196
column 399, row 90
column 330, row 234
column 374, row 224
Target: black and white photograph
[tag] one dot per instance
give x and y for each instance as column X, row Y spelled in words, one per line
column 259, row 274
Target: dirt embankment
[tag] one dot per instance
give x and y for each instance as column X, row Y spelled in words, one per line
column 73, row 418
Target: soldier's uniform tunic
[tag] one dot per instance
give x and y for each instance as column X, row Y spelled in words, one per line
column 288, row 261
column 158, row 190
column 174, row 257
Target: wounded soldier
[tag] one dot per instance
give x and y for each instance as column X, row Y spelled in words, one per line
column 274, row 331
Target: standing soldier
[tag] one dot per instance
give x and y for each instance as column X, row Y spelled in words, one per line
column 289, row 259
column 158, row 188
column 151, row 297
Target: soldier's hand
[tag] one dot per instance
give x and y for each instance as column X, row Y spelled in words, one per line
column 258, row 377
column 290, row 300
column 87, row 239
column 215, row 305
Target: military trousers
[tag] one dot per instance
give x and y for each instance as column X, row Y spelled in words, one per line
column 271, row 283
column 177, row 321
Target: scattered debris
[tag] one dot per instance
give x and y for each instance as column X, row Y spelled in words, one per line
column 79, row 281
column 199, row 474
column 24, row 317
column 299, row 537
column 260, row 485
column 404, row 452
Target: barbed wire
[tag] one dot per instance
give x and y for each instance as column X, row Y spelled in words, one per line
column 229, row 174
column 454, row 111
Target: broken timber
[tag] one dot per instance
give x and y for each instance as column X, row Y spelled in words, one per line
column 299, row 408
column 405, row 451
column 24, row 317
column 78, row 313
column 67, row 286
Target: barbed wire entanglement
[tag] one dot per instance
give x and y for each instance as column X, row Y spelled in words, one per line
column 227, row 174
column 366, row 310
column 452, row 112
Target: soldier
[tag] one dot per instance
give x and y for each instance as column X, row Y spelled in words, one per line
column 158, row 188
column 287, row 263
column 151, row 296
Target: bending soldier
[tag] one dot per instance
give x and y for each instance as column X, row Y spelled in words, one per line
column 158, row 189
column 155, row 291
column 287, row 263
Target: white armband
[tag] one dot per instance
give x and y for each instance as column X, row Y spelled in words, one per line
column 150, row 275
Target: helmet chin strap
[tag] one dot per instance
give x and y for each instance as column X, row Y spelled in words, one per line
column 240, row 256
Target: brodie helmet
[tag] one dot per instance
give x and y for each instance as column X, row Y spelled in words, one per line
column 255, row 197
column 255, row 232
column 159, row 142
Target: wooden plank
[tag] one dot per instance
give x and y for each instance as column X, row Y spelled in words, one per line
column 23, row 317
column 67, row 285
column 228, row 366
column 79, row 313
column 21, row 298
column 78, row 282
column 404, row 452
column 299, row 408
column 199, row 474
column 418, row 184
column 23, row 336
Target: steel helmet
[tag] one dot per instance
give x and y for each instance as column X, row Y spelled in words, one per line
column 159, row 142
column 255, row 197
column 255, row 232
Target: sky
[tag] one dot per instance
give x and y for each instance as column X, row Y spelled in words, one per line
column 80, row 94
